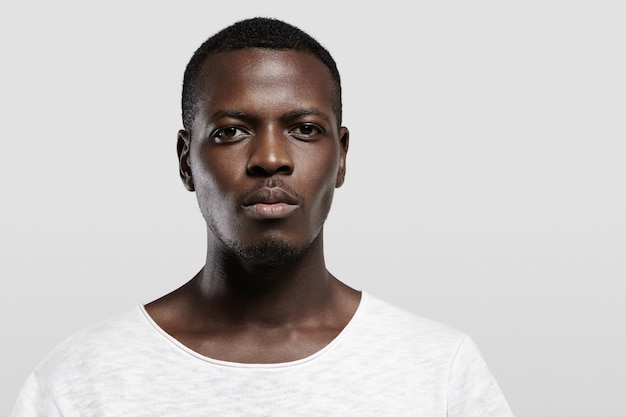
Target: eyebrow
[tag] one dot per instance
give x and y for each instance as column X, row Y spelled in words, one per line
column 306, row 112
column 234, row 114
column 237, row 114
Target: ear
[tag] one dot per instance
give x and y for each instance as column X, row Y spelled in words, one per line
column 182, row 147
column 344, row 136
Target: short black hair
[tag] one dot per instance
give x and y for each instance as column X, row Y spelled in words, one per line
column 257, row 32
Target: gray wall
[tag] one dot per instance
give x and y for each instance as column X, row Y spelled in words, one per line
column 485, row 189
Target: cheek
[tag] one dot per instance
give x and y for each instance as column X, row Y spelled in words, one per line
column 321, row 181
column 322, row 204
column 214, row 182
column 214, row 171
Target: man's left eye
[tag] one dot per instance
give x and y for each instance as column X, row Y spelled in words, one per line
column 306, row 131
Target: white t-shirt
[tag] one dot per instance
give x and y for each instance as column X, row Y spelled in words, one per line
column 386, row 362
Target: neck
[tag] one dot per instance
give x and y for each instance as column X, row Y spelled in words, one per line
column 244, row 312
column 235, row 290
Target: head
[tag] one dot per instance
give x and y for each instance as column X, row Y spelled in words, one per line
column 256, row 32
column 263, row 146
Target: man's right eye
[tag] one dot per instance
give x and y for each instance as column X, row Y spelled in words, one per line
column 229, row 134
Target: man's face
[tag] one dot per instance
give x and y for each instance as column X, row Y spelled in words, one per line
column 264, row 154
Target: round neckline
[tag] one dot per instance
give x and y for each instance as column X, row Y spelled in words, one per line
column 315, row 355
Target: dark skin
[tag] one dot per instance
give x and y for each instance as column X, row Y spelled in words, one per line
column 264, row 156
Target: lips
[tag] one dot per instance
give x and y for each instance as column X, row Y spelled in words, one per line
column 270, row 195
column 270, row 203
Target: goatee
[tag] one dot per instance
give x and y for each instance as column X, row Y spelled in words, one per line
column 270, row 253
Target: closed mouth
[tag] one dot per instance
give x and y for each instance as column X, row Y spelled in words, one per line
column 273, row 195
column 270, row 203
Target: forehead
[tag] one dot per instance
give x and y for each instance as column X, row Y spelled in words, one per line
column 264, row 78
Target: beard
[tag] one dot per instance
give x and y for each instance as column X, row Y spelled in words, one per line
column 266, row 253
column 270, row 253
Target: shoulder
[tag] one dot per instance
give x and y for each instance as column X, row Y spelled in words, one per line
column 95, row 345
column 83, row 363
column 448, row 357
column 404, row 331
column 383, row 315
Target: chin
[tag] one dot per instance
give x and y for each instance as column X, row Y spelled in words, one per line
column 271, row 253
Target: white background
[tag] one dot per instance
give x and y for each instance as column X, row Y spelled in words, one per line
column 485, row 189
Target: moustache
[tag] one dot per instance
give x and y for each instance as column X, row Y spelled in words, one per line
column 271, row 191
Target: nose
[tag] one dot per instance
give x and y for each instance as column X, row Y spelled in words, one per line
column 269, row 154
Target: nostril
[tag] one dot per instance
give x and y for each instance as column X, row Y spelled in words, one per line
column 257, row 171
column 285, row 169
column 266, row 171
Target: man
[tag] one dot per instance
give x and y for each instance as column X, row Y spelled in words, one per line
column 263, row 329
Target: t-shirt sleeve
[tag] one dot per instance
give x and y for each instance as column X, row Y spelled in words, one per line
column 35, row 400
column 472, row 390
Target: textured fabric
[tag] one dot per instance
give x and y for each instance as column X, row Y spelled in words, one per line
column 386, row 362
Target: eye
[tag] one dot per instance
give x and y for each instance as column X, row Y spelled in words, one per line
column 306, row 131
column 229, row 134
